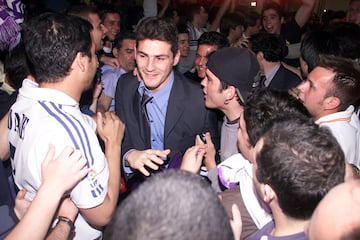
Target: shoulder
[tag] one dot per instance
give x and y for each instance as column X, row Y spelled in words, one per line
column 189, row 84
column 128, row 80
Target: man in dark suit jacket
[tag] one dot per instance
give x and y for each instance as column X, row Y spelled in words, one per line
column 269, row 52
column 160, row 130
column 284, row 79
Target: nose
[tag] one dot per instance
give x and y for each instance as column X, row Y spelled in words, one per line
column 202, row 61
column 303, row 86
column 104, row 29
column 204, row 82
column 150, row 64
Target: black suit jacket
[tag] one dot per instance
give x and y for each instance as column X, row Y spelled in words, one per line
column 284, row 79
column 186, row 116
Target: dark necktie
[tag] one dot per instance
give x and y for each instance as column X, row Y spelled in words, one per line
column 144, row 100
column 262, row 81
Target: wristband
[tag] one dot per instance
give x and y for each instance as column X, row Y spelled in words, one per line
column 66, row 220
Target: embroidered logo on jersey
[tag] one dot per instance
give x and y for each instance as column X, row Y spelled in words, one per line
column 95, row 185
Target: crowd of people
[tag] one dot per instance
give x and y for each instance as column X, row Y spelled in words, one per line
column 193, row 120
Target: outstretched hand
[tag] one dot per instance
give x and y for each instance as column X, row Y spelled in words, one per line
column 150, row 158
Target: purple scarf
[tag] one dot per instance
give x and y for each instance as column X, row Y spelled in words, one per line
column 11, row 15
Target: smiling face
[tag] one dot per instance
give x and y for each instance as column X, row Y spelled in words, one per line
column 155, row 61
column 272, row 21
column 112, row 23
column 202, row 54
column 312, row 92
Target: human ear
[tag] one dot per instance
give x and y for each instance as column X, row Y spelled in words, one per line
column 269, row 193
column 331, row 103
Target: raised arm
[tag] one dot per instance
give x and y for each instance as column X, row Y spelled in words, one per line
column 111, row 131
column 304, row 12
column 219, row 15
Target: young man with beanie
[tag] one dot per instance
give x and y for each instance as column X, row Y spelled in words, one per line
column 229, row 77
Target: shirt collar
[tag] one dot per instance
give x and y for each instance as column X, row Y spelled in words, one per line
column 31, row 89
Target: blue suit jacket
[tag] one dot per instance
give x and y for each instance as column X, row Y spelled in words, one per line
column 186, row 116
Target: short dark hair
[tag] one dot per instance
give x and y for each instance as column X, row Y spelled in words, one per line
column 52, row 41
column 181, row 27
column 231, row 21
column 16, row 66
column 275, row 6
column 301, row 161
column 107, row 9
column 213, row 39
column 166, row 206
column 156, row 28
column 263, row 105
column 315, row 43
column 271, row 45
column 346, row 82
column 121, row 36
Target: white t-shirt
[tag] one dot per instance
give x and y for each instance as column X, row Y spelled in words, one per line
column 43, row 116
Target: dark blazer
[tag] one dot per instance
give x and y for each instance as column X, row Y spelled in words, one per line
column 284, row 79
column 186, row 116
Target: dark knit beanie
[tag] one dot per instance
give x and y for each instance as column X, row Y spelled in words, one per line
column 236, row 67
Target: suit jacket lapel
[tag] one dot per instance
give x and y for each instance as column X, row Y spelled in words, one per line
column 175, row 106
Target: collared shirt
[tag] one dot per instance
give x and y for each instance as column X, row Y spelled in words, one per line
column 345, row 126
column 270, row 75
column 156, row 109
column 110, row 77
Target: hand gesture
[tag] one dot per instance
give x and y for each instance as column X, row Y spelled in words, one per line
column 192, row 158
column 110, row 128
column 209, row 151
column 150, row 158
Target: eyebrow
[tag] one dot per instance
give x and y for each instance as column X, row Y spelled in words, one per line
column 311, row 82
column 160, row 55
